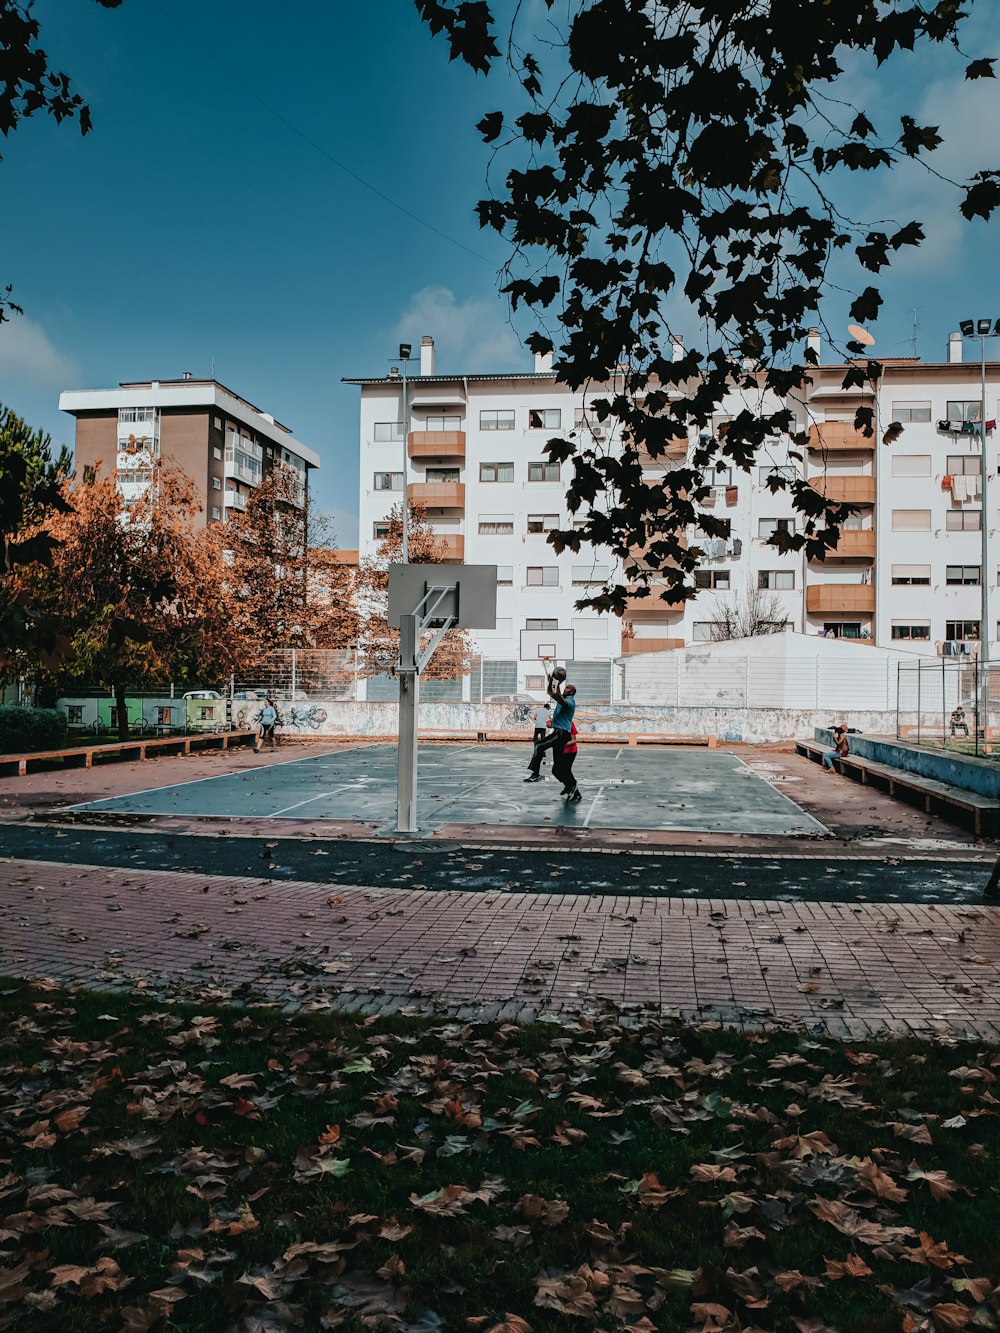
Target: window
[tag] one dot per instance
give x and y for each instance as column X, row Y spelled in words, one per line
column 961, row 630
column 543, row 576
column 715, row 579
column 964, row 410
column 962, row 574
column 216, row 513
column 543, row 471
column 586, row 575
column 444, row 475
column 702, row 631
column 719, row 476
column 544, row 418
column 443, row 423
column 496, row 420
column 776, row 580
column 137, row 414
column 911, row 520
column 911, row 465
column 963, row 465
column 766, row 527
column 842, row 629
column 389, row 430
column 590, row 627
column 505, row 576
column 542, row 522
column 388, row 481
column 496, row 471
column 496, row 525
column 764, row 474
column 911, row 412
column 920, row 631
column 74, row 715
column 217, row 452
column 911, row 575
column 380, row 531
column 963, row 520
column 217, row 423
column 534, row 682
column 541, row 623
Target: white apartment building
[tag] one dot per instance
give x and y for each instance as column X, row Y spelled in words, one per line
column 905, row 573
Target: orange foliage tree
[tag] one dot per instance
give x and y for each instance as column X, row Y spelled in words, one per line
column 378, row 642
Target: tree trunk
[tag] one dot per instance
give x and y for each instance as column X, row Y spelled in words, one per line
column 122, row 712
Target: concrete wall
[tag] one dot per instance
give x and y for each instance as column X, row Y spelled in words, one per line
column 967, row 772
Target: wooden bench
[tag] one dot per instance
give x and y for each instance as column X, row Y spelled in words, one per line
column 82, row 756
column 908, row 729
column 930, row 790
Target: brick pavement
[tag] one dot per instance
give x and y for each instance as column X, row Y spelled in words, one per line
column 850, row 970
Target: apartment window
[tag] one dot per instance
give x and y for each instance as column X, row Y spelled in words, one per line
column 776, row 580
column 543, row 471
column 764, row 474
column 389, row 430
column 496, row 471
column 582, row 415
column 496, row 525
column 911, row 412
column 380, row 531
column 720, row 476
column 496, row 420
column 922, row 630
column 970, row 409
column 217, row 452
column 534, row 682
column 444, row 475
column 963, row 520
column 137, row 414
column 963, row 465
column 543, row 576
column 842, row 629
column 216, row 513
column 542, row 522
column 911, row 520
column 961, row 630
column 388, row 481
column 715, row 580
column 703, row 631
column 544, row 418
column 767, row 527
column 906, row 576
column 505, row 576
column 74, row 715
column 542, row 622
column 216, row 484
column 217, row 423
column 586, row 575
column 962, row 574
column 443, row 423
column 911, row 465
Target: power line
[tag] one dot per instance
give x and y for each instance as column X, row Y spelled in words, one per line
column 290, row 125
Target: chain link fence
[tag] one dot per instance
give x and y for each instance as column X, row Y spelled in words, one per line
column 950, row 705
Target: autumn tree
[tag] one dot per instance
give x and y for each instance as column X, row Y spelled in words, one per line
column 287, row 588
column 378, row 642
column 688, row 161
column 139, row 588
column 32, row 489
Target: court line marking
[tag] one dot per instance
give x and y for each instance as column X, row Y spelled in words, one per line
column 308, row 801
column 600, row 792
column 795, row 806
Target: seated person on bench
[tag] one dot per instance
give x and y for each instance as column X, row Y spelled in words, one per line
column 841, row 747
column 957, row 720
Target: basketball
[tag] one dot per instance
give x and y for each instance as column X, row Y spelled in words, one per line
column 559, row 673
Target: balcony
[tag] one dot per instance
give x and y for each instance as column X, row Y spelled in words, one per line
column 652, row 607
column 846, row 490
column 437, row 494
column 858, row 544
column 250, row 475
column 452, row 547
column 839, row 436
column 436, row 444
column 840, row 598
column 631, row 647
column 234, row 500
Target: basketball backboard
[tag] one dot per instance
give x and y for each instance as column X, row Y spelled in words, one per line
column 472, row 603
column 546, row 644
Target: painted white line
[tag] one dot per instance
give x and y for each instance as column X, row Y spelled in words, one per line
column 804, row 813
column 619, row 754
column 308, row 801
column 600, row 793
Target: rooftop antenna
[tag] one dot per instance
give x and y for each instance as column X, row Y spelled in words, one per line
column 213, row 365
column 913, row 336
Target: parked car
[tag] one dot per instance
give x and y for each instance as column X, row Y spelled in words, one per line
column 202, row 694
column 514, row 699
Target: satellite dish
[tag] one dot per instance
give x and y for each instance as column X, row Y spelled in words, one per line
column 860, row 335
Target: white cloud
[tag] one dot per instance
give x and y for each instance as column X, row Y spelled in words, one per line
column 471, row 335
column 29, row 358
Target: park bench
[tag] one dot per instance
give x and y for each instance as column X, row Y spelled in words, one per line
column 82, row 756
column 932, row 792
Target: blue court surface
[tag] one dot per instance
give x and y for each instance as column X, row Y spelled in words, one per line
column 649, row 788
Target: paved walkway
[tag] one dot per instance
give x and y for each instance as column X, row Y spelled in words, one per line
column 852, row 970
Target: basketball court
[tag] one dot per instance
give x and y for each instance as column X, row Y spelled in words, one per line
column 651, row 787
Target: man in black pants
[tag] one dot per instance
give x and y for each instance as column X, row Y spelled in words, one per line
column 562, row 724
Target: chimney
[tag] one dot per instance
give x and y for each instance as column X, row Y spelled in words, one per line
column 677, row 348
column 187, row 374
column 543, row 363
column 426, row 355
column 954, row 347
column 812, row 343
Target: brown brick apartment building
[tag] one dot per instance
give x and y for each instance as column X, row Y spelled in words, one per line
column 219, row 439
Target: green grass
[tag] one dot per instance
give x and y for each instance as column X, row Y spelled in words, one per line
column 177, row 1200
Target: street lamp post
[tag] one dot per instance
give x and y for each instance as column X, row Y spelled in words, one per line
column 983, row 329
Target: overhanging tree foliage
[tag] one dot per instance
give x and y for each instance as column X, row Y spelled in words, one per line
column 692, row 153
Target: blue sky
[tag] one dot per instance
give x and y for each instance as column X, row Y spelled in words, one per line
column 195, row 222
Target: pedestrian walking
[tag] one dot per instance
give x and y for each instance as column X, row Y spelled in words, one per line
column 841, row 748
column 268, row 721
column 564, row 697
column 563, row 770
column 540, row 722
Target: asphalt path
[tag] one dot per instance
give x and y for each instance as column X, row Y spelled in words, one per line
column 418, row 864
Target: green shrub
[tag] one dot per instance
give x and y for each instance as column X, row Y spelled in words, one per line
column 31, row 729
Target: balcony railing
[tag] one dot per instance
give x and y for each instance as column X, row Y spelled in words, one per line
column 234, row 468
column 630, row 647
column 837, row 436
column 652, row 607
column 856, row 598
column 452, row 547
column 438, row 494
column 234, row 500
column 846, row 490
column 436, row 444
column 854, row 544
